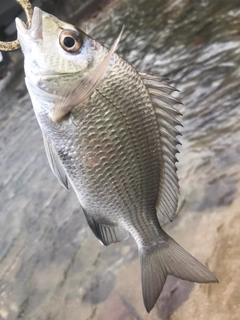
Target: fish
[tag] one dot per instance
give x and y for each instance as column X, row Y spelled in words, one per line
column 110, row 133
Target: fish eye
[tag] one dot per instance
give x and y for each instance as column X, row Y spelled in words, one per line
column 70, row 41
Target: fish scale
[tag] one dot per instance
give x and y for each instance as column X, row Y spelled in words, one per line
column 98, row 125
column 109, row 131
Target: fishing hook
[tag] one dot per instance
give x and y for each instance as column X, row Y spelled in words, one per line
column 14, row 45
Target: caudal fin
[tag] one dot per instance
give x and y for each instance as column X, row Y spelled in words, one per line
column 168, row 258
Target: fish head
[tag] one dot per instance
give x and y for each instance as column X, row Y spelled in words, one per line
column 63, row 65
column 53, row 48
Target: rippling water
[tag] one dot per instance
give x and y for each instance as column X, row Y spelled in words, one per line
column 51, row 265
column 196, row 44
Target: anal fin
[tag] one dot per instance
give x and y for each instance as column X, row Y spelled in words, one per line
column 106, row 233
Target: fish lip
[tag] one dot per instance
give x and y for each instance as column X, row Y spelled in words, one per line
column 21, row 26
column 35, row 30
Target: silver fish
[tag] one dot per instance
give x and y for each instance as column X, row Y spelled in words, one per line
column 109, row 132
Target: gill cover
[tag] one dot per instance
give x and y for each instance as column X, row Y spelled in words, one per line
column 75, row 95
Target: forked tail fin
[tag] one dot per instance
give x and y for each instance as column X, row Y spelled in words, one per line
column 168, row 258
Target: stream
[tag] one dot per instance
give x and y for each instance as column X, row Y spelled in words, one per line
column 51, row 265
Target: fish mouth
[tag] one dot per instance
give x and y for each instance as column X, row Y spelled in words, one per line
column 35, row 30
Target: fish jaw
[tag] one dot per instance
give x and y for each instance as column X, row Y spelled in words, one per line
column 27, row 36
column 45, row 59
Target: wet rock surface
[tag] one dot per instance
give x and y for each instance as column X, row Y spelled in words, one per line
column 51, row 266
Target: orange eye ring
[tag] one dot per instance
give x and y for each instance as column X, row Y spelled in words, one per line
column 70, row 41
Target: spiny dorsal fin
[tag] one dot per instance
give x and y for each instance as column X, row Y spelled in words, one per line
column 163, row 102
column 55, row 163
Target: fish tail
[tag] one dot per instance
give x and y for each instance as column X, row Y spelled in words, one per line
column 168, row 258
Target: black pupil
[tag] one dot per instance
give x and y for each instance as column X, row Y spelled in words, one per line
column 69, row 42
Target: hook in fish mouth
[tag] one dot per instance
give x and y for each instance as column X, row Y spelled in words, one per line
column 35, row 30
column 14, row 45
column 30, row 35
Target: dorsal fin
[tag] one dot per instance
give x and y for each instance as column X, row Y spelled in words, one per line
column 163, row 102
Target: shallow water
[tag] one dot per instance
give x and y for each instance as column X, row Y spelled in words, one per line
column 52, row 267
column 196, row 44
